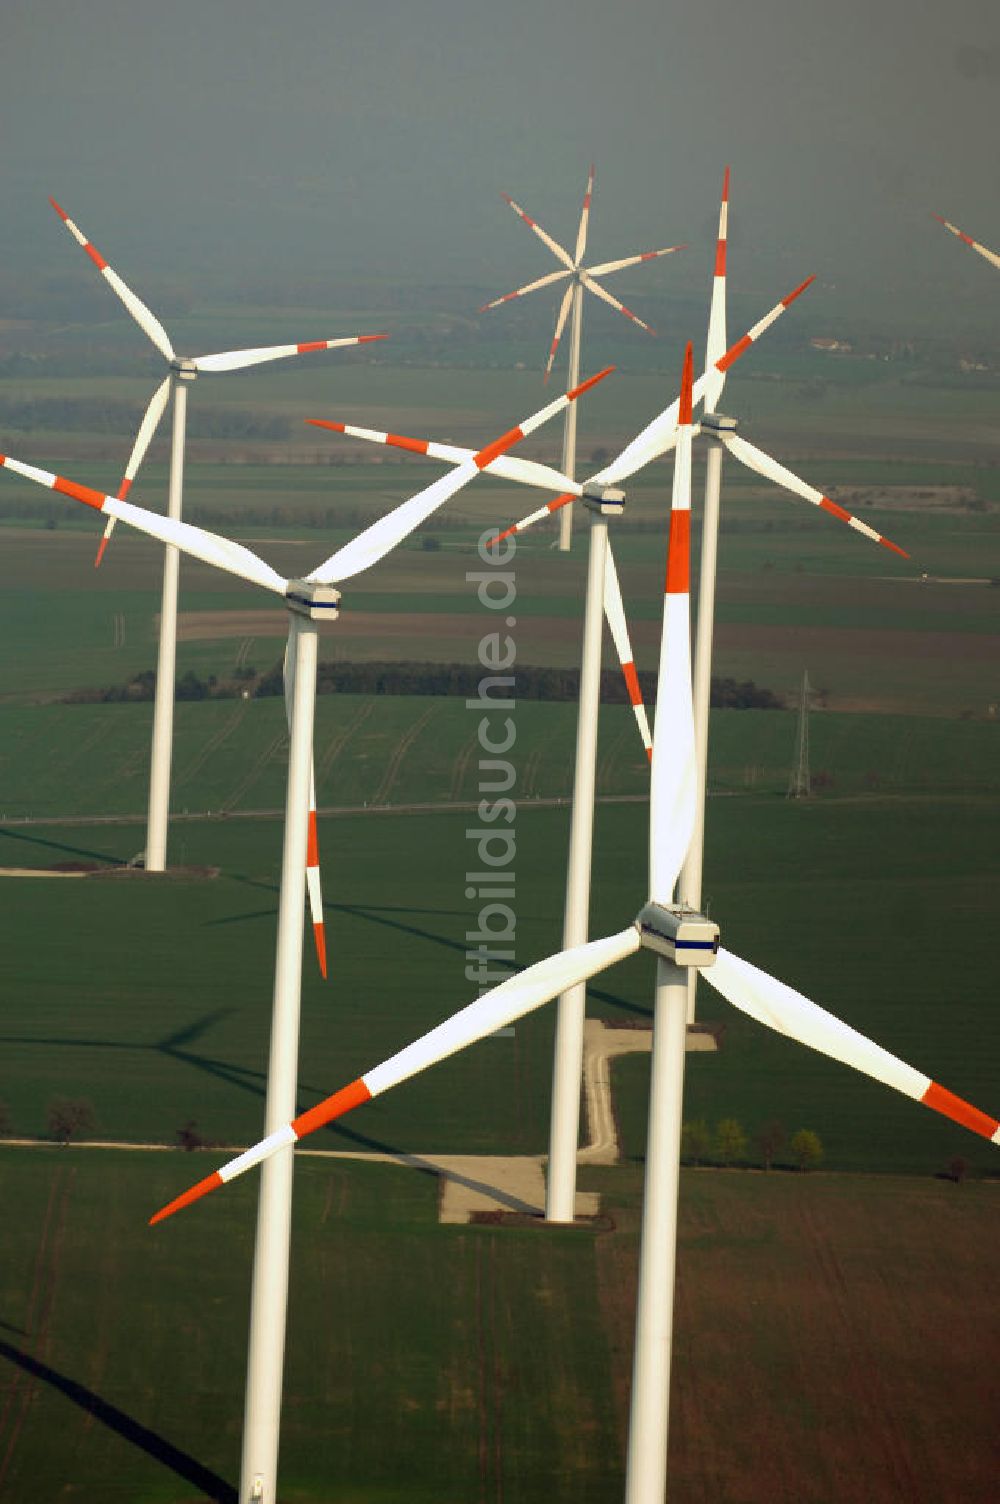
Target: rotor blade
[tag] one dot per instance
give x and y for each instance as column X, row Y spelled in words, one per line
column 658, row 436
column 237, row 360
column 520, row 292
column 560, row 326
column 581, row 234
column 763, row 464
column 715, row 346
column 619, row 266
column 602, row 292
column 614, row 610
column 196, row 541
column 148, row 322
column 533, row 517
column 376, row 541
column 506, row 466
column 532, row 224
column 674, row 777
column 143, row 439
column 147, row 428
column 788, row 1012
column 502, row 1005
column 991, row 256
column 313, row 886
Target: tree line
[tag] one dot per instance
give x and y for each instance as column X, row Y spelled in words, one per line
column 460, row 680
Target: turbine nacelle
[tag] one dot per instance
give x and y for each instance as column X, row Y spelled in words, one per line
column 314, row 601
column 717, row 423
column 184, row 368
column 678, row 933
column 604, row 501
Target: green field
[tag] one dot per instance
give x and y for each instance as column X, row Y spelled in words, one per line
column 878, row 908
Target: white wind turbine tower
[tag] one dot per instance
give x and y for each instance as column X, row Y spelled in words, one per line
column 680, row 938
column 580, row 277
column 602, row 589
column 309, row 601
column 183, row 371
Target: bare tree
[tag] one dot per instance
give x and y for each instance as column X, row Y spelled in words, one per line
column 68, row 1117
column 771, row 1137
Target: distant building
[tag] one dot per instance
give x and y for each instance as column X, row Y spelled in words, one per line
column 841, row 346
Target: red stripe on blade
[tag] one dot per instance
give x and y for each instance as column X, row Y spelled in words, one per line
column 687, row 384
column 798, row 291
column 367, row 339
column 312, row 844
column 733, row 353
column 483, row 458
column 124, row 488
column 64, row 216
column 319, row 935
column 632, row 683
column 100, row 551
column 679, row 554
column 95, row 256
column 418, row 446
column 586, row 385
column 316, row 344
column 834, row 510
column 501, row 536
column 79, row 493
column 720, row 258
column 332, row 1107
column 560, row 501
column 942, row 1100
column 887, row 543
column 210, row 1183
column 725, row 187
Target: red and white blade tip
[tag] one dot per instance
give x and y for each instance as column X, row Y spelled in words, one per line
column 687, row 385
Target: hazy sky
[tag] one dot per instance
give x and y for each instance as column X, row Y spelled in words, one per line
column 375, row 137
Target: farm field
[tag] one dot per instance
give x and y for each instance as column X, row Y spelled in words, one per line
column 158, row 1012
column 823, row 1318
column 494, row 1361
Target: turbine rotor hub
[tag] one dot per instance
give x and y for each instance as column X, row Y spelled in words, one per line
column 184, row 368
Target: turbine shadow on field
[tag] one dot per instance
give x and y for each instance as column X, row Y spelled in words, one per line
column 97, row 856
column 126, row 1426
column 381, row 914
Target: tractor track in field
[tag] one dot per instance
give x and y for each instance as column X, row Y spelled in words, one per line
column 608, row 763
column 339, row 741
column 236, row 794
column 214, row 742
column 394, row 768
column 460, row 767
column 866, row 1378
column 38, row 1317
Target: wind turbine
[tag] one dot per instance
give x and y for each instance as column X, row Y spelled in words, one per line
column 602, row 589
column 990, row 256
column 719, row 432
column 680, row 938
column 183, row 370
column 580, row 277
column 308, row 601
